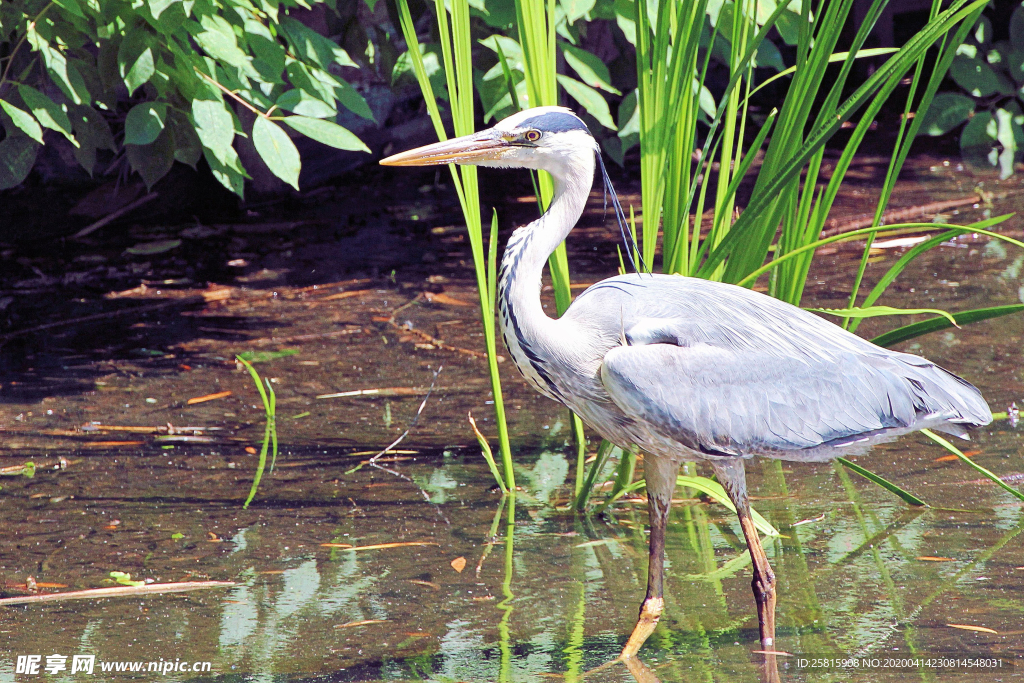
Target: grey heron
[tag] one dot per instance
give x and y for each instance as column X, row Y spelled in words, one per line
column 686, row 369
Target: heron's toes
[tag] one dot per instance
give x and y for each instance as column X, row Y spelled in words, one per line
column 650, row 613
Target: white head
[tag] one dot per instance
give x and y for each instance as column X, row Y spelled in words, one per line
column 551, row 139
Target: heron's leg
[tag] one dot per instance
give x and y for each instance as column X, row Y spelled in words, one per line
column 660, row 476
column 732, row 477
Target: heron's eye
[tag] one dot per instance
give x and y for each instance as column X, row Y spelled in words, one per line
column 532, row 135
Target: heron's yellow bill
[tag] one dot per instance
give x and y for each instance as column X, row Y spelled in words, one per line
column 469, row 149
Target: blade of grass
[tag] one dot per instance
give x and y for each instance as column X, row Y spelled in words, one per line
column 714, row 490
column 901, row 334
column 750, row 228
column 988, row 474
column 878, row 311
column 906, row 496
column 269, row 432
column 456, row 51
column 485, row 450
column 897, row 268
column 904, row 228
column 604, row 451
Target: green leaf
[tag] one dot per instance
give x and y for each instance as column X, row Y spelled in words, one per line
column 788, row 25
column 157, row 7
column 768, row 56
column 350, row 98
column 23, row 120
column 982, row 32
column 575, row 9
column 144, row 123
column 962, row 318
column 300, row 102
column 49, row 114
column 947, row 111
column 508, row 47
column 152, row 161
column 220, row 42
column 978, row 78
column 90, row 123
column 907, row 497
column 624, row 17
column 313, row 47
column 125, row 579
column 1017, row 29
column 589, row 99
column 589, row 68
column 17, row 156
column 188, row 148
column 301, row 77
column 229, row 172
column 877, row 311
column 215, row 127
column 269, row 55
column 327, row 132
column 63, row 73
column 713, row 489
column 431, row 62
column 277, row 150
column 980, row 132
column 135, row 61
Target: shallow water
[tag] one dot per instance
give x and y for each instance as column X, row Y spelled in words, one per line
column 551, row 595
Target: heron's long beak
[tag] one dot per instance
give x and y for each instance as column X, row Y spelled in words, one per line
column 469, row 149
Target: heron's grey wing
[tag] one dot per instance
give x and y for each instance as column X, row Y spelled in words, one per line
column 719, row 400
column 715, row 402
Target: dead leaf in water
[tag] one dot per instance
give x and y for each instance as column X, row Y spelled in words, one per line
column 381, row 546
column 931, row 558
column 428, row 584
column 968, row 627
column 345, row 295
column 207, row 397
column 148, row 248
column 458, row 564
column 445, row 299
column 948, row 458
column 364, row 622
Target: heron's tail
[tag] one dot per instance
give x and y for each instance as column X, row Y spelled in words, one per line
column 950, row 402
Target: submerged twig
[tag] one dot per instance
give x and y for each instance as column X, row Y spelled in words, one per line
column 119, row 591
column 110, row 218
column 373, row 462
column 430, row 339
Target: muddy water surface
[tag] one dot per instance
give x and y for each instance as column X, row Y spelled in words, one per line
column 465, row 586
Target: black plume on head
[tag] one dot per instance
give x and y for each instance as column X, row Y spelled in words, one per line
column 620, row 216
column 555, row 122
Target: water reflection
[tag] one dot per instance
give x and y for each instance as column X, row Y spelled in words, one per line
column 542, row 592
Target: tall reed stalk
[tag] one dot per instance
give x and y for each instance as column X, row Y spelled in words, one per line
column 536, row 22
column 456, row 48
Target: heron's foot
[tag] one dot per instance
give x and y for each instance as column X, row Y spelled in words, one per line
column 764, row 595
column 650, row 613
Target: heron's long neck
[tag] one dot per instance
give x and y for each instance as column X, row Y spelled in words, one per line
column 526, row 326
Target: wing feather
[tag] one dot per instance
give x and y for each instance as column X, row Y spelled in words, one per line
column 719, row 400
